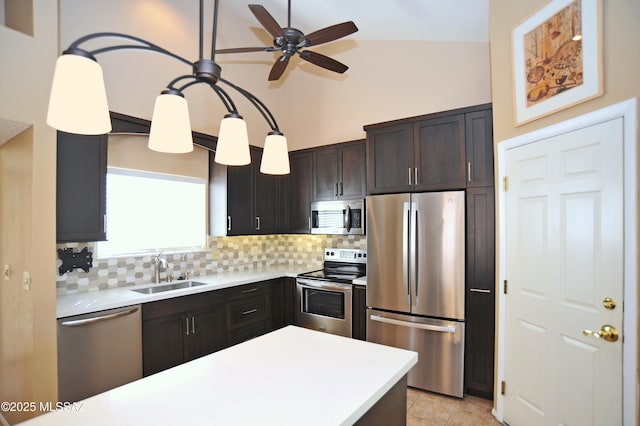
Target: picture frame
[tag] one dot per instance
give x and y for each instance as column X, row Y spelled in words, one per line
column 553, row 68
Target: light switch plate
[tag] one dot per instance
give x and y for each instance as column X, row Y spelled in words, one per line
column 26, row 280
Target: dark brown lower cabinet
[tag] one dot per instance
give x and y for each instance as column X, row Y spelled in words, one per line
column 359, row 313
column 480, row 292
column 181, row 329
column 283, row 294
column 248, row 311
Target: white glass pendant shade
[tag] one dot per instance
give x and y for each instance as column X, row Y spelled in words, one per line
column 275, row 157
column 78, row 100
column 232, row 148
column 170, row 126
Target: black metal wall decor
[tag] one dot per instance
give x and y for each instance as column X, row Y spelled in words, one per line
column 74, row 260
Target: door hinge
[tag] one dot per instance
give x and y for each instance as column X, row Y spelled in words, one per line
column 505, row 286
column 503, row 387
column 505, row 183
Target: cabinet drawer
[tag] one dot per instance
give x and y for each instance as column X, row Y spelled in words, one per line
column 248, row 290
column 247, row 311
column 177, row 305
column 246, row 333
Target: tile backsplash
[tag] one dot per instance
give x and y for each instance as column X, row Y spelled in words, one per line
column 225, row 254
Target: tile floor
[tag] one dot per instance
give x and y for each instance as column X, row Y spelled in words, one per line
column 431, row 409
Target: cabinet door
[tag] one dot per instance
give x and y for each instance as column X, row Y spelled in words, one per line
column 440, row 154
column 241, row 220
column 325, row 174
column 163, row 343
column 81, row 187
column 206, row 332
column 479, row 148
column 299, row 193
column 480, row 294
column 266, row 197
column 359, row 313
column 352, row 182
column 283, row 294
column 389, row 159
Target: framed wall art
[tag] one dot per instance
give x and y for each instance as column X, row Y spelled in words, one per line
column 557, row 58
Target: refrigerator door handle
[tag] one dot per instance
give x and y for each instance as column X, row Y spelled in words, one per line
column 416, row 255
column 440, row 328
column 405, row 249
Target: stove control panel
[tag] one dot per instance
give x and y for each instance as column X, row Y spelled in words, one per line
column 345, row 255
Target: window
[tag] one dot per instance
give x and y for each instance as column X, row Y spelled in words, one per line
column 149, row 212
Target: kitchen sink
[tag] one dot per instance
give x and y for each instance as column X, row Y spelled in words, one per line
column 168, row 287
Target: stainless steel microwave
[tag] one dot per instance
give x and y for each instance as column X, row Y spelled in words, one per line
column 340, row 217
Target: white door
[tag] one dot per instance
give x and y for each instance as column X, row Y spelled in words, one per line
column 564, row 256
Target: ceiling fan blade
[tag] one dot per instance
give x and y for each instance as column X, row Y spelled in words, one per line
column 267, row 21
column 278, row 68
column 331, row 33
column 245, row 49
column 323, row 61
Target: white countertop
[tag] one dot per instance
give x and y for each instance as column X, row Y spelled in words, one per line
column 292, row 376
column 93, row 301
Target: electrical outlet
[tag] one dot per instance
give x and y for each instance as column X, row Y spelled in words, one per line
column 7, row 272
column 26, row 280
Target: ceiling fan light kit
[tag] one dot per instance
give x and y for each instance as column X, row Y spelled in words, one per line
column 78, row 101
column 290, row 40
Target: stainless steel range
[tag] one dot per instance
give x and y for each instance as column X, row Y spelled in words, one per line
column 324, row 297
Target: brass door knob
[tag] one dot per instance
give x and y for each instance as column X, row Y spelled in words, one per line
column 607, row 332
column 609, row 303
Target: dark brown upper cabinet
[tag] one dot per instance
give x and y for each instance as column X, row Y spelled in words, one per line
column 479, row 147
column 339, row 171
column 441, row 151
column 300, row 184
column 244, row 201
column 81, row 177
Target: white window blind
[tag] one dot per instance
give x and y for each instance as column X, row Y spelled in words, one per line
column 148, row 212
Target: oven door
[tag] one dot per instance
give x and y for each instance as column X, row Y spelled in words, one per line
column 324, row 306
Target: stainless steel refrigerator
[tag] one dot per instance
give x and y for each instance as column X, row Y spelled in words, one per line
column 415, row 283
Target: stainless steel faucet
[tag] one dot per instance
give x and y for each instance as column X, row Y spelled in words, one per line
column 159, row 263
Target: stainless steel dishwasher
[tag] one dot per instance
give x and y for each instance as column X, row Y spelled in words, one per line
column 98, row 351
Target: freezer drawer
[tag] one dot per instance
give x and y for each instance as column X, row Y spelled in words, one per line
column 439, row 343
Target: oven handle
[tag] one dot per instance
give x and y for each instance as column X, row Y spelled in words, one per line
column 324, row 285
column 444, row 329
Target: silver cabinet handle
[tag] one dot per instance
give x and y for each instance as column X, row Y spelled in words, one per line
column 441, row 328
column 335, row 191
column 468, row 171
column 228, row 223
column 186, row 330
column 93, row 320
column 250, row 311
column 309, row 222
column 250, row 290
column 193, row 325
column 479, row 290
column 341, row 189
column 257, row 223
column 415, row 172
column 410, row 176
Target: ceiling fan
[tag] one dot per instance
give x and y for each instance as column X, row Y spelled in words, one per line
column 291, row 40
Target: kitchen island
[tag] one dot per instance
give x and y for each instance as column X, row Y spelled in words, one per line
column 291, row 376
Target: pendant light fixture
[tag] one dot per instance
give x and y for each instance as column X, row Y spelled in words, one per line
column 78, row 102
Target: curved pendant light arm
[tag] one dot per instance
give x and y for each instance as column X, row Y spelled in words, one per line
column 260, row 106
column 145, row 45
column 222, row 94
column 225, row 98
